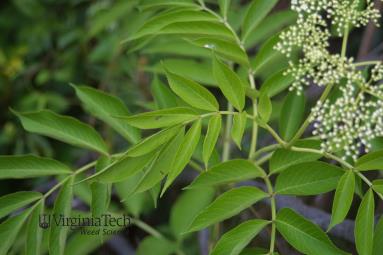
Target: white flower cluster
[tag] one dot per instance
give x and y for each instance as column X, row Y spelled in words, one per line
column 350, row 122
column 342, row 13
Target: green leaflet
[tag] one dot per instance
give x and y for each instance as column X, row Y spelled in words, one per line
column 343, row 198
column 9, row 230
column 233, row 241
column 213, row 131
column 28, row 166
column 63, row 128
column 364, row 225
column 291, row 115
column 123, row 168
column 149, row 4
column 284, row 158
column 185, row 153
column 188, row 205
column 227, row 205
column 161, row 118
column 265, row 107
column 309, row 178
column 378, row 238
column 34, row 231
column 239, row 125
column 377, row 185
column 156, row 246
column 266, row 53
column 370, row 161
column 224, row 6
column 257, row 11
column 226, row 49
column 192, row 93
column 63, row 206
column 163, row 96
column 162, row 165
column 158, row 22
column 276, row 83
column 230, row 171
column 304, row 235
column 101, row 192
column 153, row 142
column 14, row 201
column 104, row 107
column 269, row 26
column 230, row 84
column 200, row 28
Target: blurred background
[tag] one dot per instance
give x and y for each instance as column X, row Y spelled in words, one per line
column 47, row 44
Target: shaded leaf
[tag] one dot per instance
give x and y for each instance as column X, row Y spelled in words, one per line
column 187, row 207
column 153, row 142
column 185, row 153
column 343, row 198
column 370, row 161
column 62, row 206
column 284, row 158
column 101, row 192
column 17, row 200
column 292, row 114
column 123, row 168
column 213, row 131
column 161, row 118
column 63, row 128
column 257, row 11
column 192, row 92
column 104, row 107
column 230, row 84
column 162, row 165
column 238, row 128
column 158, row 22
column 233, row 241
column 266, row 53
column 34, row 231
column 265, row 107
column 156, row 246
column 227, row 205
column 276, row 83
column 304, row 235
column 28, row 166
column 163, row 96
column 9, row 230
column 378, row 238
column 364, row 225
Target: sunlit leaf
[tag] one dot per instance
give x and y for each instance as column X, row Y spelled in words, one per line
column 364, row 225
column 292, row 114
column 14, row 201
column 213, row 131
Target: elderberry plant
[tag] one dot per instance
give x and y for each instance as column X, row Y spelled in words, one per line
column 219, row 70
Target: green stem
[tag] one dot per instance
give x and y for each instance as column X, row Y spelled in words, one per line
column 367, row 63
column 227, row 141
column 142, row 225
column 344, row 42
column 253, row 144
column 273, row 214
column 275, row 135
column 266, row 149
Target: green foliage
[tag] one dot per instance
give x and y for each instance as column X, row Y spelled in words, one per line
column 187, row 81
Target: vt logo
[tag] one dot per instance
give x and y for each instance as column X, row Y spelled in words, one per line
column 44, row 221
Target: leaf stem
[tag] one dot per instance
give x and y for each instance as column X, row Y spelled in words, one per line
column 273, row 213
column 253, row 144
column 367, row 63
column 226, row 141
